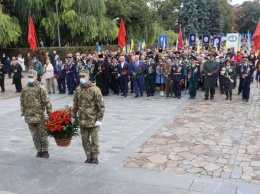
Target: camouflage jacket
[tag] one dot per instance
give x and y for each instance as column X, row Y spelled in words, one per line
column 34, row 100
column 88, row 103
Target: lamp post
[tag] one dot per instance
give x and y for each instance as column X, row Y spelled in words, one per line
column 57, row 12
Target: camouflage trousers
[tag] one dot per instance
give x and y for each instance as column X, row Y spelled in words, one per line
column 40, row 140
column 90, row 141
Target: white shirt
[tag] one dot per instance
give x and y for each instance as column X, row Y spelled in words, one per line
column 122, row 64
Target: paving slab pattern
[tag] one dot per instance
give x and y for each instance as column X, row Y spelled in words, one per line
column 215, row 138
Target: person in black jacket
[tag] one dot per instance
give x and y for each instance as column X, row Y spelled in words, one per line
column 2, row 77
column 16, row 70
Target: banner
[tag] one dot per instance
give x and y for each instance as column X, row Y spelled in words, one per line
column 192, row 41
column 233, row 40
column 217, row 42
column 163, row 41
column 205, row 41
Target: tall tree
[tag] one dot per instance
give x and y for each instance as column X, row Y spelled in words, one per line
column 10, row 29
column 189, row 17
column 216, row 22
column 247, row 16
column 78, row 21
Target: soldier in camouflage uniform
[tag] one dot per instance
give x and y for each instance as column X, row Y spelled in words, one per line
column 88, row 103
column 34, row 101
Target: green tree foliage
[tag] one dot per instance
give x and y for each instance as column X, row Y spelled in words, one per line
column 189, row 17
column 168, row 14
column 78, row 20
column 247, row 16
column 10, row 29
column 228, row 16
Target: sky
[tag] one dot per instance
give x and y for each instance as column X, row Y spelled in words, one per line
column 234, row 2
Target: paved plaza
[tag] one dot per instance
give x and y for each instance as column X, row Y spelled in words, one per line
column 148, row 145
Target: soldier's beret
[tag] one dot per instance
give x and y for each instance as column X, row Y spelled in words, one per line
column 90, row 60
column 32, row 73
column 83, row 72
column 114, row 58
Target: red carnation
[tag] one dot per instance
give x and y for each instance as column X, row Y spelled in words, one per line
column 66, row 122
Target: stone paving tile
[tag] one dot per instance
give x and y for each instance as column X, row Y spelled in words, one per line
column 214, row 139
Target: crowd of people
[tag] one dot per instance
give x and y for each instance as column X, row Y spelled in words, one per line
column 171, row 71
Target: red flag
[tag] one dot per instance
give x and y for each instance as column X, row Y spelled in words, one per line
column 257, row 38
column 31, row 35
column 180, row 39
column 121, row 34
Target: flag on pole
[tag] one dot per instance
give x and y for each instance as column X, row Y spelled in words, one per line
column 249, row 41
column 239, row 42
column 140, row 45
column 163, row 43
column 186, row 42
column 99, row 48
column 257, row 38
column 227, row 45
column 31, row 35
column 121, row 34
column 131, row 44
column 124, row 48
column 198, row 44
column 143, row 44
column 180, row 39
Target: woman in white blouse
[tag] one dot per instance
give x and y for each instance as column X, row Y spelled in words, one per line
column 49, row 76
column 20, row 60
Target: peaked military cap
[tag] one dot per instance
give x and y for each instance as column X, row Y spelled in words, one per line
column 100, row 55
column 32, row 72
column 83, row 72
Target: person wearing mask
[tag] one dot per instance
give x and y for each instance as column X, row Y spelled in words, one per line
column 88, row 106
column 34, row 101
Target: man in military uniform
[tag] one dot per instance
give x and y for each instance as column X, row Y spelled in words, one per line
column 34, row 101
column 88, row 104
column 114, row 76
column 245, row 73
column 60, row 75
column 167, row 74
column 90, row 67
column 221, row 77
column 149, row 76
column 70, row 71
column 193, row 74
column 210, row 69
column 177, row 77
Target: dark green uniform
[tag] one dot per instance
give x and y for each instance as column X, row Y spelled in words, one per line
column 211, row 67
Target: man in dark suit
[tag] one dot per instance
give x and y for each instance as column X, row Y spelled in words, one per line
column 137, row 70
column 123, row 72
column 16, row 70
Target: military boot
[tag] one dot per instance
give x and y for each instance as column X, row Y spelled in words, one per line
column 39, row 154
column 94, row 161
column 89, row 160
column 45, row 154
